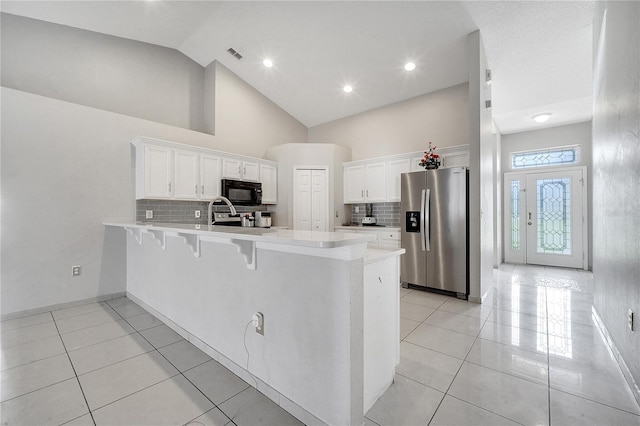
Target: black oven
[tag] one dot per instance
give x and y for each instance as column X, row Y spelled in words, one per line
column 242, row 193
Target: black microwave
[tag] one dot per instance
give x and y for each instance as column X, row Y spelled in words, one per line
column 242, row 193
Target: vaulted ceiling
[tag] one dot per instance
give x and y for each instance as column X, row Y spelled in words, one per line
column 539, row 52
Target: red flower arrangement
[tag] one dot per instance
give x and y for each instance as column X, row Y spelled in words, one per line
column 431, row 160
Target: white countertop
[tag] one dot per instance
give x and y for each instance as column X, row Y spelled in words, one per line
column 376, row 255
column 312, row 239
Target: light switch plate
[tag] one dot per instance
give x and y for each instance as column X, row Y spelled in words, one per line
column 149, row 214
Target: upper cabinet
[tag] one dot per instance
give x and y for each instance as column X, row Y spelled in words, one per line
column 378, row 180
column 269, row 179
column 394, row 169
column 365, row 183
column 168, row 170
column 241, row 170
column 353, row 184
column 156, row 178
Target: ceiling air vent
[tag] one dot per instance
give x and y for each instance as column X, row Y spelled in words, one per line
column 233, row 52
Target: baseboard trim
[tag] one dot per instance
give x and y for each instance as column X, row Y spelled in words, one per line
column 633, row 385
column 59, row 306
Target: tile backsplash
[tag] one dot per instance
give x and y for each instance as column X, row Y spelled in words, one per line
column 385, row 213
column 183, row 211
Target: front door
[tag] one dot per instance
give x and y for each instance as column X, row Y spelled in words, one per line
column 545, row 222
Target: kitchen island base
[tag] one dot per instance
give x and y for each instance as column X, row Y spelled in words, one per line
column 311, row 359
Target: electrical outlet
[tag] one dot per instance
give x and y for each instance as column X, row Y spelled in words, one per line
column 258, row 321
column 76, row 270
column 197, row 214
column 357, row 209
column 149, row 214
column 630, row 319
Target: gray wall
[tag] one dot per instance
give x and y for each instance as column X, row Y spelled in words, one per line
column 616, row 177
column 441, row 117
column 571, row 134
column 102, row 71
column 67, row 167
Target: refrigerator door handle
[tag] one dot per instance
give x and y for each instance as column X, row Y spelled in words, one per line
column 422, row 223
column 427, row 221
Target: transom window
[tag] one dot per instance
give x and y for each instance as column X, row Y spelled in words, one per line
column 548, row 157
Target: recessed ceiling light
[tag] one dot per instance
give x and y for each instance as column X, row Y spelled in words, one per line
column 541, row 118
column 347, row 88
column 409, row 66
column 267, row 63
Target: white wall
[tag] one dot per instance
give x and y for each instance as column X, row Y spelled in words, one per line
column 616, row 178
column 291, row 155
column 571, row 134
column 481, row 183
column 441, row 117
column 66, row 169
column 102, row 71
column 247, row 122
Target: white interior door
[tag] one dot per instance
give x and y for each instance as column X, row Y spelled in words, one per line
column 545, row 218
column 319, row 200
column 310, row 200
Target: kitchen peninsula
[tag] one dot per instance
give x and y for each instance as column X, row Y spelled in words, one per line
column 330, row 306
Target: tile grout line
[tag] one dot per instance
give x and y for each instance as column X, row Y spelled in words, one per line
column 180, row 373
column 546, row 307
column 74, row 370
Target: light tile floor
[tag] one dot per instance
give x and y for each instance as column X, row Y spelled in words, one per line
column 529, row 356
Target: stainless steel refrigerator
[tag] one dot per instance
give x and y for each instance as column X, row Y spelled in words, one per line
column 434, row 207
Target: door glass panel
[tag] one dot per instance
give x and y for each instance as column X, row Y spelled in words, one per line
column 549, row 157
column 553, row 213
column 515, row 215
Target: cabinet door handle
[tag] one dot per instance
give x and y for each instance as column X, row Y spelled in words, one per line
column 196, row 189
column 362, row 193
column 202, row 189
column 239, row 170
column 367, row 193
column 169, row 186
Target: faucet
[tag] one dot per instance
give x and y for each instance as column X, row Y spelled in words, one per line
column 220, row 198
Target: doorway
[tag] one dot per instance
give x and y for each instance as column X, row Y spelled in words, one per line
column 545, row 217
column 310, row 199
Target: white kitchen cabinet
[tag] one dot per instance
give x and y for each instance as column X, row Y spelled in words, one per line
column 196, row 176
column 354, row 184
column 173, row 171
column 154, row 170
column 389, row 240
column 269, row 180
column 394, row 169
column 250, row 171
column 375, row 182
column 240, row 170
column 186, row 176
column 365, row 183
column 209, row 176
column 385, row 238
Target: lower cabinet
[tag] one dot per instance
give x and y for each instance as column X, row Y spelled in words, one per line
column 386, row 238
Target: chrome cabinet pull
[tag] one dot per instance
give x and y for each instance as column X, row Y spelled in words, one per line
column 203, row 189
column 169, row 186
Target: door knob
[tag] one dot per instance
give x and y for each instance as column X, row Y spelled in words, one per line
column 529, row 223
